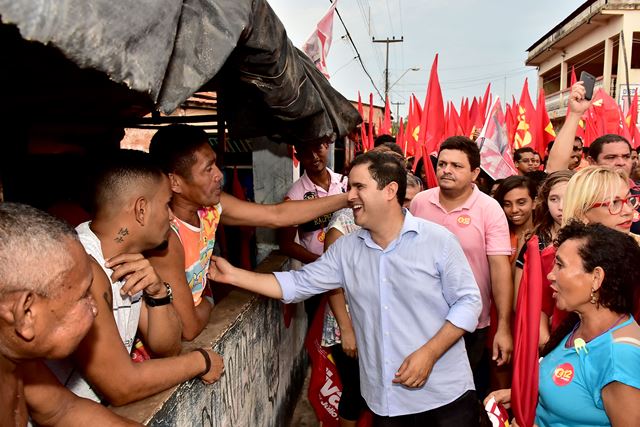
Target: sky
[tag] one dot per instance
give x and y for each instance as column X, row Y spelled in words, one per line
column 478, row 42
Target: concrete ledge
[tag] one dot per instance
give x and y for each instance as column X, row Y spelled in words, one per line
column 264, row 367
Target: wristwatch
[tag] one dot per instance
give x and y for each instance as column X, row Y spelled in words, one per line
column 157, row 302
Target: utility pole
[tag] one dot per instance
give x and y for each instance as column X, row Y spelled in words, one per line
column 397, row 104
column 387, row 41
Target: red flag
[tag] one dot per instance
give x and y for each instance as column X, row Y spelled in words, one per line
column 526, row 130
column 370, row 130
column 433, row 114
column 411, row 133
column 545, row 128
column 606, row 109
column 325, row 387
column 485, row 103
column 475, row 122
column 510, row 123
column 400, row 139
column 386, row 125
column 524, row 387
column 465, row 117
column 317, row 45
column 633, row 119
column 417, row 107
column 363, row 130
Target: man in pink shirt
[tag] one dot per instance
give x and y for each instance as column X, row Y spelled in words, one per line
column 481, row 227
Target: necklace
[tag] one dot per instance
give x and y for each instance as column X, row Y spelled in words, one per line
column 571, row 339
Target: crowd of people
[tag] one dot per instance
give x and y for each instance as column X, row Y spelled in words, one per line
column 423, row 284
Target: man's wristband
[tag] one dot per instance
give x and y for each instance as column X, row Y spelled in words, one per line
column 207, row 360
column 157, row 302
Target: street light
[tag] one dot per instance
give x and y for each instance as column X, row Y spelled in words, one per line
column 404, row 74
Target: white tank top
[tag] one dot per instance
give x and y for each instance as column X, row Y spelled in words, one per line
column 126, row 312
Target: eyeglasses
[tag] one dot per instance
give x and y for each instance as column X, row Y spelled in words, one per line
column 615, row 206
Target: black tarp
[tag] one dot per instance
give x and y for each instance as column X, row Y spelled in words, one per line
column 169, row 49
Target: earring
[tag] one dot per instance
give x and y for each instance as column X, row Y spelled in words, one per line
column 593, row 299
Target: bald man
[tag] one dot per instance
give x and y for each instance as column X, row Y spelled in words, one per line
column 45, row 310
column 131, row 216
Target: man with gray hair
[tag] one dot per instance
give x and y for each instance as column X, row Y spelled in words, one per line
column 45, row 310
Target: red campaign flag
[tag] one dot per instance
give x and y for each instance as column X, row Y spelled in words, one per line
column 526, row 129
column 496, row 158
column 430, row 173
column 386, row 125
column 317, row 45
column 417, row 107
column 363, row 129
column 400, row 139
column 606, row 109
column 485, row 103
column 547, row 134
column 370, row 130
column 524, row 386
column 413, row 127
column 432, row 121
column 474, row 112
column 455, row 117
column 592, row 127
column 631, row 119
column 623, row 129
column 325, row 388
column 510, row 124
column 464, row 117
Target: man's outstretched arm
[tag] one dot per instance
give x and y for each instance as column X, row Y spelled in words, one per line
column 264, row 284
column 291, row 212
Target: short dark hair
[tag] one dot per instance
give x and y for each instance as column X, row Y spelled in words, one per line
column 381, row 139
column 384, row 169
column 464, row 144
column 517, row 155
column 393, row 147
column 173, row 147
column 615, row 252
column 537, row 177
column 120, row 171
column 513, row 182
column 596, row 146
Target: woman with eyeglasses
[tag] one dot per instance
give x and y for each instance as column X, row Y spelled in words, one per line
column 588, row 374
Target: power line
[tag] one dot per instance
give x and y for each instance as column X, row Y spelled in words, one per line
column 357, row 53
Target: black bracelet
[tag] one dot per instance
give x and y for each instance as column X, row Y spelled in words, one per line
column 207, row 360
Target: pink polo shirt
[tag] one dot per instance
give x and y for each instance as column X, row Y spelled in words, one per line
column 311, row 234
column 481, row 227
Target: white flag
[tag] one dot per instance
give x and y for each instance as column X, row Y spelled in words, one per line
column 318, row 44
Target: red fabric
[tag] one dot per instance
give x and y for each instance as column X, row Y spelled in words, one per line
column 386, row 125
column 524, row 388
column 485, row 103
column 369, row 145
column 432, row 120
column 325, row 387
column 547, row 134
column 526, row 129
column 400, row 139
column 464, row 117
column 363, row 130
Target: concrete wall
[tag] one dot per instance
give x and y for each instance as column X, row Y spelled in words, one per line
column 265, row 363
